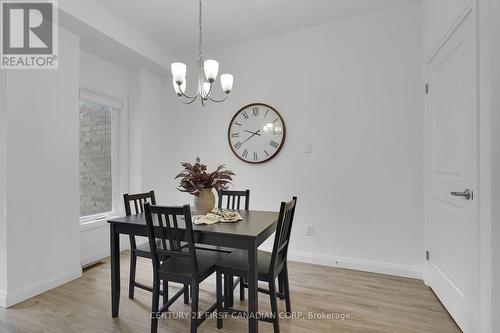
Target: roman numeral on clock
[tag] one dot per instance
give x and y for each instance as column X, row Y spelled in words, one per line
column 245, row 153
column 255, row 157
column 235, row 135
column 237, row 145
column 267, row 154
column 255, row 111
column 245, row 114
column 274, row 144
column 237, row 123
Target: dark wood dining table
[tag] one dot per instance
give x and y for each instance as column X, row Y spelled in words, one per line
column 247, row 234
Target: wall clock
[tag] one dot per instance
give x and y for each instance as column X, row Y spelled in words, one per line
column 256, row 133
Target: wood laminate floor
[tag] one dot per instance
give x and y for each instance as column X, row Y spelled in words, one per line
column 361, row 302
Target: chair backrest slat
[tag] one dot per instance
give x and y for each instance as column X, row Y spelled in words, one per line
column 168, row 231
column 176, row 235
column 165, row 230
column 283, row 232
column 138, row 200
column 233, row 199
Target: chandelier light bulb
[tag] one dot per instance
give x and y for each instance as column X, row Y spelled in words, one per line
column 179, row 72
column 226, row 81
column 211, row 69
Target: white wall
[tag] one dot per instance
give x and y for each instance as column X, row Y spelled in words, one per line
column 135, row 126
column 149, row 138
column 42, row 181
column 356, row 97
column 493, row 28
column 157, row 139
column 105, row 77
column 3, row 202
column 438, row 17
column 489, row 51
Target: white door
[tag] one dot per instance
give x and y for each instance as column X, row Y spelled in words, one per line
column 452, row 166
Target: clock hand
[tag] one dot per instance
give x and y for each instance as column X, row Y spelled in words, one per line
column 251, row 136
column 253, row 132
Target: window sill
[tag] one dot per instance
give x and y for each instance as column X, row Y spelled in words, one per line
column 95, row 224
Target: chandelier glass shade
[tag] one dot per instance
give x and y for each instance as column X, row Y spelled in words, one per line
column 207, row 71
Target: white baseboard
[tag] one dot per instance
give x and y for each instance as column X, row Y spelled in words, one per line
column 18, row 295
column 364, row 265
column 3, row 299
column 95, row 257
column 357, row 264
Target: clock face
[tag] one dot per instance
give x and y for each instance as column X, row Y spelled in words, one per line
column 256, row 133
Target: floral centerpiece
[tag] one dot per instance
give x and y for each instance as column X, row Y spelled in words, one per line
column 195, row 180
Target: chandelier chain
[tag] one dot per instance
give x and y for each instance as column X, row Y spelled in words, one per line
column 201, row 35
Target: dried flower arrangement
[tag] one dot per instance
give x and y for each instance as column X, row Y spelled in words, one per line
column 195, row 178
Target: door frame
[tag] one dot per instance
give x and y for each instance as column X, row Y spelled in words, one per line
column 470, row 12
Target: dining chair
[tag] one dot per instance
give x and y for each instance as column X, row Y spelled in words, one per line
column 233, row 200
column 183, row 264
column 137, row 201
column 270, row 266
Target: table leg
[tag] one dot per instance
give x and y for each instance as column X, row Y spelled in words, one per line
column 115, row 270
column 253, row 296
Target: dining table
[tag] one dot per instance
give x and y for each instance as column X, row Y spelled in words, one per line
column 247, row 234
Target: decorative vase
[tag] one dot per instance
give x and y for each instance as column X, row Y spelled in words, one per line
column 204, row 202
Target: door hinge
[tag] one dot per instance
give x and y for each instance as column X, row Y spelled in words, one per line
column 426, row 255
column 427, row 88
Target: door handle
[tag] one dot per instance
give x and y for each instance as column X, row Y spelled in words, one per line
column 467, row 194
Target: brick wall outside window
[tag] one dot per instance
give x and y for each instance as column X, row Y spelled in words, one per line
column 95, row 159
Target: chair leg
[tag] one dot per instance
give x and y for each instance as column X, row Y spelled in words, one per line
column 133, row 264
column 242, row 289
column 280, row 284
column 194, row 307
column 231, row 291
column 186, row 294
column 226, row 292
column 274, row 306
column 165, row 293
column 155, row 306
column 286, row 287
column 220, row 321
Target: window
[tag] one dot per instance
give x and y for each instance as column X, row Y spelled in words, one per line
column 101, row 146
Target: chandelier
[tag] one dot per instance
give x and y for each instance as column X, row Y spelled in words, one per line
column 207, row 74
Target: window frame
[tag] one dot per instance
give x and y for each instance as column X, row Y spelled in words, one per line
column 119, row 158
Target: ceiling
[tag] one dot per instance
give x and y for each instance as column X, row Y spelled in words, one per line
column 225, row 22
